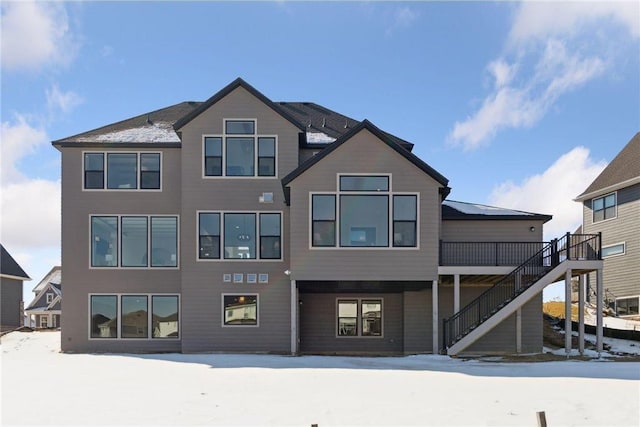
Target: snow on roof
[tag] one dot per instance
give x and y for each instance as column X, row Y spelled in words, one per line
column 156, row 132
column 54, row 276
column 319, row 138
column 476, row 209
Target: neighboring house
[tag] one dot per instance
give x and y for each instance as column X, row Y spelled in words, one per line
column 11, row 304
column 240, row 224
column 46, row 307
column 611, row 206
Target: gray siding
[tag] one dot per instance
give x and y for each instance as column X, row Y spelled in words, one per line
column 80, row 280
column 318, row 321
column 355, row 156
column 621, row 274
column 418, row 327
column 202, row 285
column 10, row 298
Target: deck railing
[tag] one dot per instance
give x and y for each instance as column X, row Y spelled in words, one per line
column 570, row 246
column 487, row 253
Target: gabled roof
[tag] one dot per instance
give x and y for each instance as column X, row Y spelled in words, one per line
column 9, row 268
column 153, row 127
column 40, row 301
column 54, row 276
column 227, row 90
column 623, row 171
column 453, row 210
column 384, row 137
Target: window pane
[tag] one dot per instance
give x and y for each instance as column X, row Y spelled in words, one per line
column 324, row 207
column 135, row 317
column 324, row 233
column 266, row 166
column 610, row 212
column 598, row 215
column 165, row 320
column 371, row 318
column 209, row 235
column 150, row 170
column 213, row 146
column 93, row 170
column 104, row 312
column 270, row 236
column 364, row 183
column 122, row 170
column 270, row 224
column 213, row 166
column 104, row 241
column 267, row 147
column 240, row 127
column 134, row 241
column 164, row 242
column 404, row 233
column 240, row 157
column 404, row 208
column 610, row 200
column 364, row 221
column 613, row 250
column 347, row 318
column 598, row 204
column 240, row 310
column 239, row 236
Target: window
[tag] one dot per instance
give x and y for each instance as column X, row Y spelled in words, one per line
column 245, row 235
column 134, row 316
column 360, row 216
column 628, row 306
column 359, row 318
column 131, row 316
column 150, row 171
column 44, row 321
column 139, row 236
column 270, row 236
column 209, row 239
column 93, row 170
column 240, row 151
column 49, row 298
column 240, row 310
column 104, row 321
column 323, row 227
column 405, row 217
column 604, row 207
column 617, row 249
column 121, row 170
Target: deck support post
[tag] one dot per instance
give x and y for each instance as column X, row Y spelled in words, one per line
column 519, row 331
column 599, row 320
column 434, row 297
column 456, row 293
column 567, row 311
column 581, row 301
column 294, row 317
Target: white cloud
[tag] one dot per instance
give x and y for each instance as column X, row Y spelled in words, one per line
column 65, row 101
column 552, row 191
column 19, row 139
column 545, row 35
column 402, row 17
column 35, row 34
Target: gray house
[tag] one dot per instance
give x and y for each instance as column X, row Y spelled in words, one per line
column 46, row 307
column 240, row 224
column 11, row 304
column 611, row 206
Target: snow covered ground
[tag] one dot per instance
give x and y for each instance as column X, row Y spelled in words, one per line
column 41, row 386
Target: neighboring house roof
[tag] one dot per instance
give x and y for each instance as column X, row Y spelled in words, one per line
column 623, row 171
column 384, row 137
column 320, row 124
column 453, row 210
column 54, row 276
column 9, row 268
column 40, row 303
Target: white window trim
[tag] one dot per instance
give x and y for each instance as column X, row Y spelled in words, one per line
column 337, row 195
column 46, row 318
column 624, row 250
column 119, row 243
column 222, row 258
column 387, row 174
column 627, row 297
column 105, row 167
column 240, row 294
column 602, row 197
column 149, row 315
column 359, row 317
column 49, row 297
column 224, row 137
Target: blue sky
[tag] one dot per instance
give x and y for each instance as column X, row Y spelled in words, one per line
column 519, row 105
